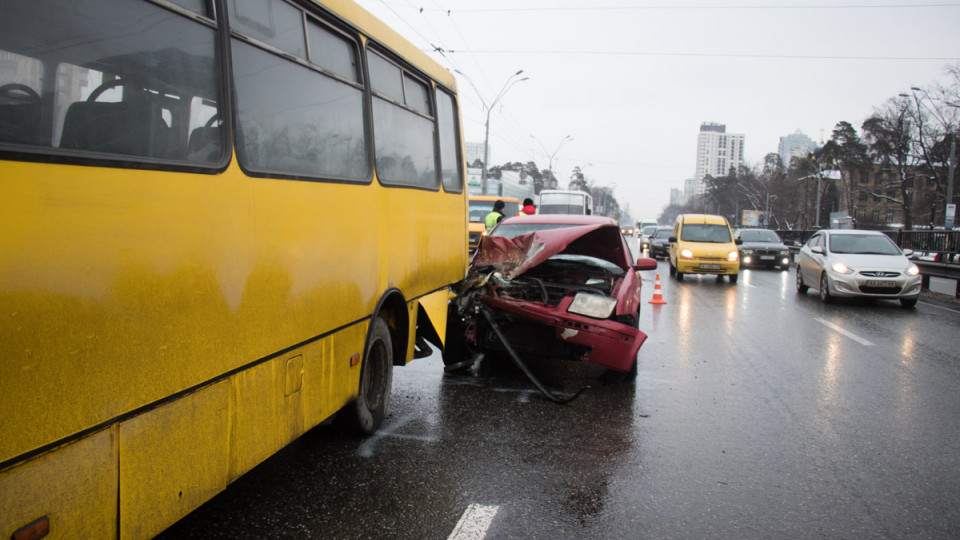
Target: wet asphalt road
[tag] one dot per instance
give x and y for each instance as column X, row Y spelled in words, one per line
column 757, row 413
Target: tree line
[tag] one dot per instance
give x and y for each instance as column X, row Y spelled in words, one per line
column 897, row 162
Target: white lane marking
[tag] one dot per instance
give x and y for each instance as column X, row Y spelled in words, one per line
column 941, row 307
column 474, row 523
column 854, row 337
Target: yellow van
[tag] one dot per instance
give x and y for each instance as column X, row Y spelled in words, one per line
column 703, row 244
column 480, row 206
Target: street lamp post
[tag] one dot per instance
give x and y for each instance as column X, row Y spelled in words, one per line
column 486, row 137
column 549, row 155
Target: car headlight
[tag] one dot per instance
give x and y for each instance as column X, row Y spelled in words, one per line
column 840, row 268
column 686, row 254
column 913, row 270
column 733, row 256
column 592, row 305
column 747, row 252
column 785, row 252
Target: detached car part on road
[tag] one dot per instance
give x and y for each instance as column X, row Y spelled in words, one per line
column 551, row 287
column 867, row 264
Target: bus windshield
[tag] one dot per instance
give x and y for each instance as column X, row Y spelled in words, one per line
column 564, row 203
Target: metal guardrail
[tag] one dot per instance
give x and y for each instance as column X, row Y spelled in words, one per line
column 937, row 253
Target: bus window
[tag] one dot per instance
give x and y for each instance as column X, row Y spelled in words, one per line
column 450, row 168
column 565, row 202
column 273, row 22
column 331, row 51
column 122, row 77
column 20, row 104
column 403, row 138
column 312, row 125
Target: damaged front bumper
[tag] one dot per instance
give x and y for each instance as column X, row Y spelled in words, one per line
column 605, row 343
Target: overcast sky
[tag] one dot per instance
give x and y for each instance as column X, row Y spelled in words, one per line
column 631, row 81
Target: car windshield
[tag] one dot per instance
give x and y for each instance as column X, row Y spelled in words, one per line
column 863, row 244
column 701, row 232
column 511, row 230
column 663, row 233
column 759, row 235
column 647, row 231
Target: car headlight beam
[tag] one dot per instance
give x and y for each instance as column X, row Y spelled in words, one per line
column 592, row 305
column 840, row 268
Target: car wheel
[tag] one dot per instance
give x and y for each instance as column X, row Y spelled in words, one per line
column 784, row 267
column 825, row 289
column 679, row 275
column 801, row 288
column 365, row 414
column 733, row 277
column 908, row 302
column 673, row 271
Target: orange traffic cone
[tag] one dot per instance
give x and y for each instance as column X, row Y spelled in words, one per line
column 657, row 295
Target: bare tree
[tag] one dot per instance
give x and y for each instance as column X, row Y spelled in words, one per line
column 889, row 136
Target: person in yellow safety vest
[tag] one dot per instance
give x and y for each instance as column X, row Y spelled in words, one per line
column 495, row 215
column 528, row 208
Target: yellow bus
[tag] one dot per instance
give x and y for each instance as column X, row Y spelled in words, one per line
column 224, row 221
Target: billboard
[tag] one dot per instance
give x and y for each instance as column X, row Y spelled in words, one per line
column 751, row 218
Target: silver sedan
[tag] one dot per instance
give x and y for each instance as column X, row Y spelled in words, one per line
column 844, row 263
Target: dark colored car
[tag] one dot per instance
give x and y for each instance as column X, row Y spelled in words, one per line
column 762, row 247
column 555, row 287
column 660, row 242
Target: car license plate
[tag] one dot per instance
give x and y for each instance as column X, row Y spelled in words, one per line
column 766, row 257
column 704, row 266
column 879, row 283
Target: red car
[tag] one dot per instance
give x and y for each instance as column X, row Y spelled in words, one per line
column 553, row 287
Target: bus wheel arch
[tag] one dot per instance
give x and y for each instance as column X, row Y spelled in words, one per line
column 392, row 308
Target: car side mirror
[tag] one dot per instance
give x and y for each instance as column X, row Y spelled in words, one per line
column 908, row 253
column 672, row 239
column 817, row 249
column 645, row 263
column 738, row 241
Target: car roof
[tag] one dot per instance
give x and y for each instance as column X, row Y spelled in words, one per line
column 492, row 198
column 704, row 218
column 566, row 219
column 853, row 231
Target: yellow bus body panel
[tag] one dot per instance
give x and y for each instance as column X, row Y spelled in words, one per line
column 74, row 486
column 172, row 459
column 163, row 332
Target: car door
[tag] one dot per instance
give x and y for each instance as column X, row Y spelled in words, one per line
column 814, row 261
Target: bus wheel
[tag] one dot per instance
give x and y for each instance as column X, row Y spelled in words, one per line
column 365, row 414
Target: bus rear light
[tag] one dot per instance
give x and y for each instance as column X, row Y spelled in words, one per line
column 37, row 528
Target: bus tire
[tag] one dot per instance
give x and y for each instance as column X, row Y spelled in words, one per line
column 365, row 414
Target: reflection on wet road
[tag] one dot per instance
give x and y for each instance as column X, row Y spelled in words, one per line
column 757, row 413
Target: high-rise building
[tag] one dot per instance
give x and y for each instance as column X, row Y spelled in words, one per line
column 795, row 145
column 717, row 152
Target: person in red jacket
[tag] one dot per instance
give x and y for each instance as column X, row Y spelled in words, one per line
column 528, row 208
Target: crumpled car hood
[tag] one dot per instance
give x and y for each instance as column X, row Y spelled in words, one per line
column 514, row 256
